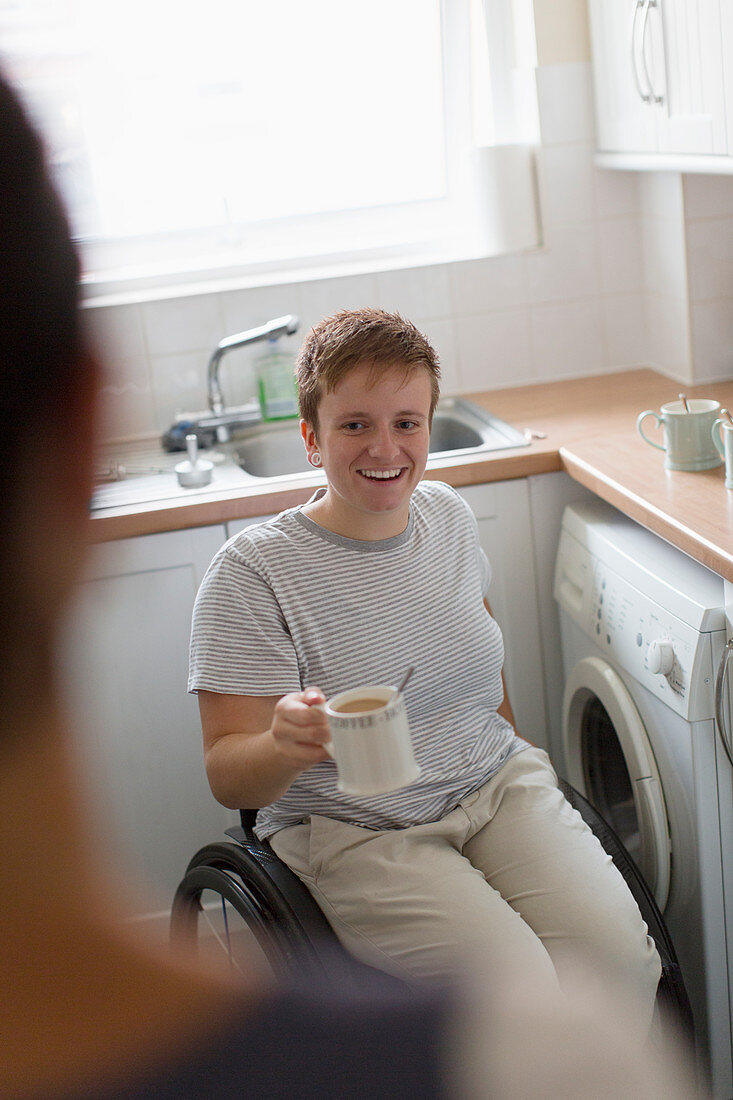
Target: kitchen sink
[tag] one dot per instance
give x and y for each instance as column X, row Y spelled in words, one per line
column 275, row 452
column 459, row 428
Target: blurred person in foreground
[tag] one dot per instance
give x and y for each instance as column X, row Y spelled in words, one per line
column 87, row 1010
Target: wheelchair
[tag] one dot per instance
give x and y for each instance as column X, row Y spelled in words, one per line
column 251, row 885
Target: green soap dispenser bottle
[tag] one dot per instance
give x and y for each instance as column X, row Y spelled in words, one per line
column 276, row 384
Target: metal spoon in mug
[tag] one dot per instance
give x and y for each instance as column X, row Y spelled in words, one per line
column 724, row 412
column 683, row 399
column 403, row 685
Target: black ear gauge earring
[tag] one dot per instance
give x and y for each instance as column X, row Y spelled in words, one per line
column 315, row 459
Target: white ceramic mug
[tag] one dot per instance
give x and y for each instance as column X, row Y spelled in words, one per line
column 722, row 433
column 370, row 740
column 687, row 440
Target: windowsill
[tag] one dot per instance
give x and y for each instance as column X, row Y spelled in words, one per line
column 110, row 291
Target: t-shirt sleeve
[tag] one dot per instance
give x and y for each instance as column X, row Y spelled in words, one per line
column 240, row 642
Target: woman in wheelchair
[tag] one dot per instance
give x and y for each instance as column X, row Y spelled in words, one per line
column 481, row 855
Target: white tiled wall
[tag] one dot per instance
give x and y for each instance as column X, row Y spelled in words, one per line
column 688, row 265
column 606, row 291
column 665, row 271
column 709, row 233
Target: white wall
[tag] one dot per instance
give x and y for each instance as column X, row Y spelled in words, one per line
column 688, row 266
column 708, row 204
column 665, row 273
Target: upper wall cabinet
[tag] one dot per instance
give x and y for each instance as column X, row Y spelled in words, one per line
column 726, row 29
column 660, row 82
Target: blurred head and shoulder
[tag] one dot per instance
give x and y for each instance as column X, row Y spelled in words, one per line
column 85, row 999
column 47, row 389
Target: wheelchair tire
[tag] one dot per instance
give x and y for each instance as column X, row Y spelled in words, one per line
column 291, row 931
column 673, row 1002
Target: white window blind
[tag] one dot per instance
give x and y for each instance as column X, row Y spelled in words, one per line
column 240, row 136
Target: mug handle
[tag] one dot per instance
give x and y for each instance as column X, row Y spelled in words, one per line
column 717, row 433
column 639, row 420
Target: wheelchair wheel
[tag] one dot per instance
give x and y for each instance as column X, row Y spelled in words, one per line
column 230, row 902
column 673, row 1003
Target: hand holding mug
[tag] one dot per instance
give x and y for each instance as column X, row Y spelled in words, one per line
column 300, row 727
column 365, row 730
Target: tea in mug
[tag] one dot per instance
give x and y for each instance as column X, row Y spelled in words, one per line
column 359, row 706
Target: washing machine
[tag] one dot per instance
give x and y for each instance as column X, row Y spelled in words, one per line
column 643, row 633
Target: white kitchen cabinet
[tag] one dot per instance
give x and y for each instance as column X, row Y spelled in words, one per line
column 548, row 496
column 126, row 665
column 726, row 37
column 502, row 510
column 658, row 70
column 624, row 121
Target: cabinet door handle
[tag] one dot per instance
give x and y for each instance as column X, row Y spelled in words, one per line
column 644, row 27
column 719, row 687
column 640, row 5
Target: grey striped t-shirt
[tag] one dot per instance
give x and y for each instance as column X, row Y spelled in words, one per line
column 287, row 604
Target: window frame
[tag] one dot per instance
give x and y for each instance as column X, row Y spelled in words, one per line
column 391, row 236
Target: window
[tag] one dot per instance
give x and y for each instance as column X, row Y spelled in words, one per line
column 265, row 136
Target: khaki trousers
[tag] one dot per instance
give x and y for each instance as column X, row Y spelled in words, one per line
column 512, row 877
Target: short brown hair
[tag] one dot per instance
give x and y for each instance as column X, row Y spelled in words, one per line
column 351, row 337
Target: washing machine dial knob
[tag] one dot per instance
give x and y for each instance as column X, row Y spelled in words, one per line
column 660, row 657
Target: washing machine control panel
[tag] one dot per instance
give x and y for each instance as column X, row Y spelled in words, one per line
column 669, row 657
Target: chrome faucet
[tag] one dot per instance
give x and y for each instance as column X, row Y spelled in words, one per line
column 215, row 425
column 280, row 326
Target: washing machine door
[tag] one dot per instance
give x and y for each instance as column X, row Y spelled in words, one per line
column 610, row 761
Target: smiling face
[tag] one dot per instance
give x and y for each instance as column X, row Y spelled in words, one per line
column 373, row 436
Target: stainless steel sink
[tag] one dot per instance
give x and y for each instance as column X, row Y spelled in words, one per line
column 275, row 452
column 459, row 428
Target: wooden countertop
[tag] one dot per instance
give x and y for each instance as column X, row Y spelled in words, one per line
column 589, row 429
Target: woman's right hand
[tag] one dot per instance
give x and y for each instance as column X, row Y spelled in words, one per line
column 300, row 727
